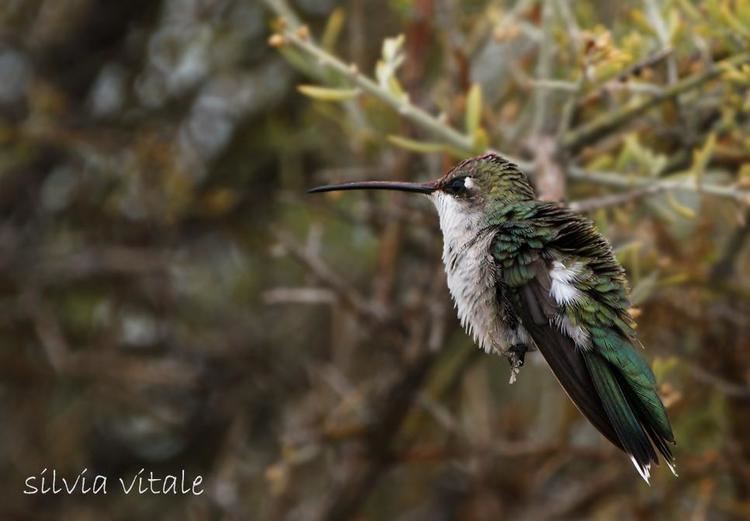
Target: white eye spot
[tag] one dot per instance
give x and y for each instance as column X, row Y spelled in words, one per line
column 469, row 183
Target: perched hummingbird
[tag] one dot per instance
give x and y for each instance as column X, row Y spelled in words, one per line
column 526, row 274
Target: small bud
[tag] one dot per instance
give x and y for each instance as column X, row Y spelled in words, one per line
column 276, row 40
column 303, row 32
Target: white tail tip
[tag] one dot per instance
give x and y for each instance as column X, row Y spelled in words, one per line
column 644, row 471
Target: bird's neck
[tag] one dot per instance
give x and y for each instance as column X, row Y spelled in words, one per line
column 459, row 223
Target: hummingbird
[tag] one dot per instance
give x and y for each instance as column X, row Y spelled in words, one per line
column 528, row 275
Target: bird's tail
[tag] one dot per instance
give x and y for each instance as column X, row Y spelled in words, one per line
column 627, row 390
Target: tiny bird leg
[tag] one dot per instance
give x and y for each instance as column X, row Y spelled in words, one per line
column 516, row 358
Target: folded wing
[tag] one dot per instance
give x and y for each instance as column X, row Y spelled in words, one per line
column 584, row 332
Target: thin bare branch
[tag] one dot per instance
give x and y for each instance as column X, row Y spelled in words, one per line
column 610, row 200
column 344, row 290
column 624, row 181
column 720, row 383
column 299, row 296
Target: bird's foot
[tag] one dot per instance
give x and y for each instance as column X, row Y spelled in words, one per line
column 516, row 357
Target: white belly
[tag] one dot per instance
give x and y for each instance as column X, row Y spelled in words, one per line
column 471, row 281
column 472, row 277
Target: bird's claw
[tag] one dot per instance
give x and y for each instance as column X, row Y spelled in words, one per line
column 516, row 357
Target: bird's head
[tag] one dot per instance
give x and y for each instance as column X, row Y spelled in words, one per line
column 469, row 190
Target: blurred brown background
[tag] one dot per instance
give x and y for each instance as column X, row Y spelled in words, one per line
column 172, row 300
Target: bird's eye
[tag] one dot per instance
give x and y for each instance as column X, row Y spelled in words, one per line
column 456, row 186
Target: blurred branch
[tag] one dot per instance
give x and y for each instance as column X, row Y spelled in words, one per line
column 48, row 331
column 622, row 77
column 623, row 181
column 416, row 115
column 571, row 502
column 609, row 200
column 610, row 121
column 346, row 293
column 344, row 502
column 725, row 268
column 656, row 18
column 725, row 386
column 299, row 296
column 96, row 364
column 102, row 259
column 282, row 9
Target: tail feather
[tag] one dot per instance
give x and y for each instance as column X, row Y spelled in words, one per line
column 638, row 422
column 621, row 414
column 610, row 384
column 654, row 425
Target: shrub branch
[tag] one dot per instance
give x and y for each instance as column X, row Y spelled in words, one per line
column 297, row 36
column 610, row 121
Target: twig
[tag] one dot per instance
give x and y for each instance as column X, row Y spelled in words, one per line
column 299, row 296
column 622, row 181
column 569, row 19
column 104, row 259
column 48, row 330
column 282, row 9
column 411, row 112
column 573, row 500
column 648, row 61
column 723, row 385
column 725, row 267
column 607, row 123
column 359, row 304
column 549, row 84
column 344, row 502
column 609, row 200
column 662, row 33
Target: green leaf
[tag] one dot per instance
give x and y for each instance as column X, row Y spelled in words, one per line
column 328, row 93
column 679, row 208
column 385, row 69
column 480, row 141
column 332, row 30
column 473, row 109
column 422, row 147
column 701, row 157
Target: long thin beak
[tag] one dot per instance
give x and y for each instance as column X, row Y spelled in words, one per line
column 420, row 188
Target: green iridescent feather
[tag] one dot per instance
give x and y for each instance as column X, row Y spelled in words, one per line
column 530, row 236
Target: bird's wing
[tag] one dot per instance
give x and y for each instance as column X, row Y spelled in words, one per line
column 559, row 275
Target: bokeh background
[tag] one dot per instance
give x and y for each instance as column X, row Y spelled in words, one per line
column 170, row 299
